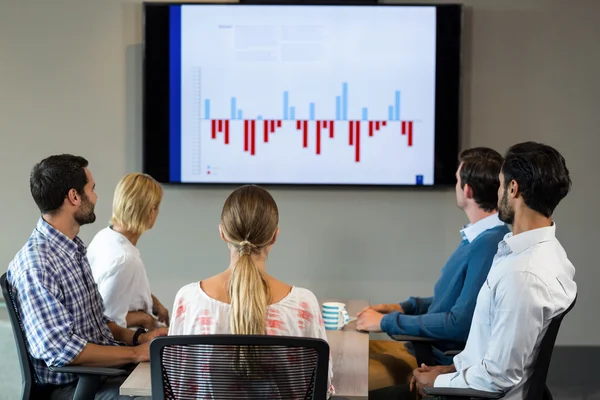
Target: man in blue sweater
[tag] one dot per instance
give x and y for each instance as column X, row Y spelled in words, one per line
column 448, row 313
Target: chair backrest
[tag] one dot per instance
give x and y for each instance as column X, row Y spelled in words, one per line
column 31, row 388
column 239, row 367
column 537, row 383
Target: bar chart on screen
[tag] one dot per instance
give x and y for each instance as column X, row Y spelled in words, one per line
column 319, row 129
column 330, row 139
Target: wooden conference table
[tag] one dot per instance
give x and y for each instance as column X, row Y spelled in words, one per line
column 350, row 353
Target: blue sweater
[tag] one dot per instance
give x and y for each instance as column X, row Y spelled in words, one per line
column 447, row 315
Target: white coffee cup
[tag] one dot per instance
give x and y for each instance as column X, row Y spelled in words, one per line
column 335, row 315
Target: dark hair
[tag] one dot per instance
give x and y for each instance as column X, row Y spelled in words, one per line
column 480, row 170
column 53, row 177
column 541, row 173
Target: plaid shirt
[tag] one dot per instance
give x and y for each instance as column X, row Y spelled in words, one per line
column 58, row 301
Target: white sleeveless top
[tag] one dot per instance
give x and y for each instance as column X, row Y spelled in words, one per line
column 297, row 314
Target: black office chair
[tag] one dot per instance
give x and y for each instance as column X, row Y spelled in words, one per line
column 239, row 367
column 89, row 377
column 536, row 390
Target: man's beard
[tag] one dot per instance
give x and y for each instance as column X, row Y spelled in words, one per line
column 505, row 213
column 86, row 215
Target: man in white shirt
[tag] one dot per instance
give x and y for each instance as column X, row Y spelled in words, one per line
column 529, row 283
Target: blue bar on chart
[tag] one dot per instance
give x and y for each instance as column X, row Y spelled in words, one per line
column 239, row 115
column 207, row 109
column 292, row 113
column 365, row 114
column 311, row 111
column 233, row 112
column 338, row 106
column 390, row 113
column 397, row 106
column 285, row 105
column 259, row 117
column 345, row 101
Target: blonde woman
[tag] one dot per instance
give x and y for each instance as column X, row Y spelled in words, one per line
column 116, row 263
column 244, row 299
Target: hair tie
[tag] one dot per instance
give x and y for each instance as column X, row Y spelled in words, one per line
column 245, row 247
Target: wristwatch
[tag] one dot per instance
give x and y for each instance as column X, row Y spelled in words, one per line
column 136, row 336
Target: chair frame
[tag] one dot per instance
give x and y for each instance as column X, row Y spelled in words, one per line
column 89, row 377
column 159, row 343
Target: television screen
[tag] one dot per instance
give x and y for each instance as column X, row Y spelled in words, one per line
column 302, row 94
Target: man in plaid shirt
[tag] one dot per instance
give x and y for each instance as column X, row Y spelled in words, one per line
column 54, row 290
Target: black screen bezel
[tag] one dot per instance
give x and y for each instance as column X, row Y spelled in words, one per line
column 156, row 94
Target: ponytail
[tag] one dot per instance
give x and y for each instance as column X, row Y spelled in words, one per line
column 249, row 295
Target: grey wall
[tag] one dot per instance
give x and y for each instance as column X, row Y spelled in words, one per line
column 70, row 81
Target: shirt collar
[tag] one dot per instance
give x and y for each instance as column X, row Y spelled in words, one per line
column 523, row 241
column 59, row 239
column 471, row 231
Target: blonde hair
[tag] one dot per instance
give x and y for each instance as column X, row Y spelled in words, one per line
column 135, row 197
column 249, row 222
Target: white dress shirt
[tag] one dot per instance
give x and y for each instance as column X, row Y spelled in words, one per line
column 530, row 282
column 120, row 274
column 471, row 231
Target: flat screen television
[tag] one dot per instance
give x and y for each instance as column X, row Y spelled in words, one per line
column 302, row 94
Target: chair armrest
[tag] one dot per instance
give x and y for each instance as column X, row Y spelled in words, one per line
column 460, row 392
column 452, row 352
column 81, row 369
column 408, row 338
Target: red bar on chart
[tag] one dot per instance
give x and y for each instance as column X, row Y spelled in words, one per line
column 266, row 133
column 350, row 132
column 404, row 127
column 298, row 124
column 253, row 138
column 376, row 125
column 220, row 125
column 214, row 129
column 246, row 131
column 279, row 123
column 383, row 123
column 370, row 128
column 318, row 137
column 357, row 141
column 272, row 125
column 410, row 134
column 226, row 131
column 331, row 129
column 305, row 129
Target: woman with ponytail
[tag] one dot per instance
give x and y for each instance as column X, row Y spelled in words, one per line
column 244, row 299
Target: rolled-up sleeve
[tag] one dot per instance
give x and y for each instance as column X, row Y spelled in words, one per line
column 48, row 324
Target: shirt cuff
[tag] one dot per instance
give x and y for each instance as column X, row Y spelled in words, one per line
column 445, row 380
column 388, row 323
column 72, row 348
column 408, row 306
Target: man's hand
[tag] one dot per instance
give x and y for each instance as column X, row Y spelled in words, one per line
column 148, row 321
column 425, row 376
column 383, row 308
column 148, row 336
column 369, row 320
column 161, row 313
column 141, row 352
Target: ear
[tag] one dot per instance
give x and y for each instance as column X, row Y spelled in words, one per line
column 513, row 189
column 274, row 237
column 222, row 234
column 73, row 197
column 468, row 191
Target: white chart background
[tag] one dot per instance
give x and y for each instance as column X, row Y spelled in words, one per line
column 255, row 53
